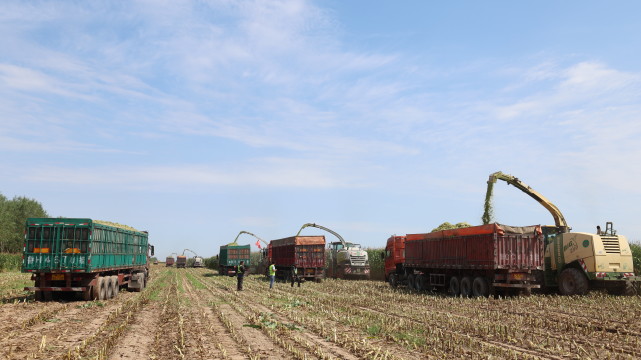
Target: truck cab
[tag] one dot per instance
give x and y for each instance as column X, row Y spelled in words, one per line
column 394, row 256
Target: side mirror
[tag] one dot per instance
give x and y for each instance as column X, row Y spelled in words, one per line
column 152, row 250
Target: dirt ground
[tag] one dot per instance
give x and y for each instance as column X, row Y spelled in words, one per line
column 197, row 314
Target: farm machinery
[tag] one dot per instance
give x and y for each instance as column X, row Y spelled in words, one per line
column 576, row 262
column 197, row 260
column 346, row 259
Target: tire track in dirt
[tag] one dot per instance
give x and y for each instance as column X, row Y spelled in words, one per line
column 201, row 342
column 261, row 345
column 314, row 344
column 56, row 334
column 136, row 342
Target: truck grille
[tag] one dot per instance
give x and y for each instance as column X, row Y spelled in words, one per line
column 611, row 245
column 358, row 260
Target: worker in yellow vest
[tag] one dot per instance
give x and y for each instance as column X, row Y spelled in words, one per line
column 272, row 274
column 240, row 274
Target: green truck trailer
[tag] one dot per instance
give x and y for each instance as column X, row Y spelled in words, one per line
column 231, row 256
column 89, row 257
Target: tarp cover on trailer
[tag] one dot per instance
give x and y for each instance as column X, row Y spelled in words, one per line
column 300, row 240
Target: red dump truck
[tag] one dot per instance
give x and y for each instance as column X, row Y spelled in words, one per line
column 474, row 261
column 307, row 253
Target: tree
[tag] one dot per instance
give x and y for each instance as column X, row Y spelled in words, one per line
column 13, row 216
column 447, row 226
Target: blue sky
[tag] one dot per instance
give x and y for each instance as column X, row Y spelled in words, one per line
column 195, row 120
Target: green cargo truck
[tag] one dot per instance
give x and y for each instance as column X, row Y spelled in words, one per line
column 230, row 256
column 90, row 257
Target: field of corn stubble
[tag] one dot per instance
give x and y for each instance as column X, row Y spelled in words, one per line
column 196, row 314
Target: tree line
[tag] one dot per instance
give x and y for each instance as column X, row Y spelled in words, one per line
column 13, row 216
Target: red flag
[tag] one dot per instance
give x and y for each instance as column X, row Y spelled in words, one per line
column 258, row 244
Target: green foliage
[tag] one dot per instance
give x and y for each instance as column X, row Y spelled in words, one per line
column 212, row 262
column 10, row 262
column 376, row 263
column 448, row 226
column 13, row 216
column 636, row 257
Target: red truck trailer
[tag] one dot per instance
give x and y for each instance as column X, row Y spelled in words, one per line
column 474, row 261
column 307, row 253
column 169, row 261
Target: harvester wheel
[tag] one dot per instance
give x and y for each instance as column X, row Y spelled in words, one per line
column 102, row 288
column 572, row 282
column 466, row 286
column 627, row 289
column 455, row 286
column 480, row 287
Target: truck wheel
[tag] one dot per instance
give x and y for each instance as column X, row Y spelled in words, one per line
column 480, row 287
column 115, row 285
column 466, row 286
column 455, row 286
column 420, row 283
column 411, row 281
column 572, row 282
column 142, row 284
column 37, row 296
column 87, row 294
column 102, row 288
column 109, row 288
column 95, row 289
column 393, row 281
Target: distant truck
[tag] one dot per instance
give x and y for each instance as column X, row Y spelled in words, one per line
column 169, row 261
column 230, row 257
column 474, row 261
column 88, row 257
column 307, row 253
column 181, row 261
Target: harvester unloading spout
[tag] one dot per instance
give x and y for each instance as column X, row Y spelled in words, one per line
column 559, row 220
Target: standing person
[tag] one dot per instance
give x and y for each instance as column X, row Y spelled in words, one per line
column 294, row 275
column 272, row 274
column 240, row 273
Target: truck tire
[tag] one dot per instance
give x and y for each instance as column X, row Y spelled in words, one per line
column 572, row 282
column 455, row 286
column 466, row 286
column 115, row 285
column 102, row 288
column 480, row 287
column 420, row 283
column 38, row 296
column 95, row 289
column 109, row 288
column 87, row 295
column 393, row 280
column 411, row 281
